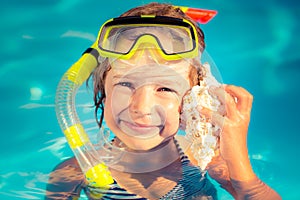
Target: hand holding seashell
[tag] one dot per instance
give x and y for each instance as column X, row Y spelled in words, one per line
column 216, row 119
column 234, row 129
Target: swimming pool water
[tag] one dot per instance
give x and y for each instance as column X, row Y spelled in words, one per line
column 255, row 44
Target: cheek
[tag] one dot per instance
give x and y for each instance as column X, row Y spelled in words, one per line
column 109, row 107
column 113, row 107
column 172, row 118
column 119, row 101
column 116, row 100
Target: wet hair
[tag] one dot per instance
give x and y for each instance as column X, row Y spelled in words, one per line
column 158, row 9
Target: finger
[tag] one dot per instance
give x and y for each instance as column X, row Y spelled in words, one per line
column 219, row 93
column 243, row 98
column 205, row 112
column 228, row 105
column 231, row 107
column 212, row 117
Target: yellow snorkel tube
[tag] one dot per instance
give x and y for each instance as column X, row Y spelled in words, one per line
column 96, row 172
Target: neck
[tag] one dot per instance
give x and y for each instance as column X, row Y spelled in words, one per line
column 146, row 161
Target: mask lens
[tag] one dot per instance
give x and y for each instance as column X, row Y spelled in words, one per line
column 170, row 39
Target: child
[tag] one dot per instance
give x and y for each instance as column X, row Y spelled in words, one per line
column 141, row 100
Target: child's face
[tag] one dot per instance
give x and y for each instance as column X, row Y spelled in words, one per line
column 142, row 104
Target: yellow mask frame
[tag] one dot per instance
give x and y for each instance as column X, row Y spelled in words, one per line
column 146, row 40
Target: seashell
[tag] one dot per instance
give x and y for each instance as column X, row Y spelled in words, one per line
column 199, row 130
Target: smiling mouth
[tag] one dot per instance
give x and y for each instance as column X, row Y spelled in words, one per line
column 138, row 130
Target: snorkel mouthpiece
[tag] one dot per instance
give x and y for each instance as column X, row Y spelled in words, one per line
column 95, row 170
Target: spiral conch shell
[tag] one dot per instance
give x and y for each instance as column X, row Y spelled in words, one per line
column 199, row 130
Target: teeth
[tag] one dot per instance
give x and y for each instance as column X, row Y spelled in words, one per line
column 198, row 129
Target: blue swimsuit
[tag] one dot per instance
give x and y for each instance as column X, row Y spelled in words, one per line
column 193, row 185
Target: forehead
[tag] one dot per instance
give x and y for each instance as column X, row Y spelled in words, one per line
column 178, row 69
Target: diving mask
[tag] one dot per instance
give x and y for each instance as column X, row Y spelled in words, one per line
column 173, row 38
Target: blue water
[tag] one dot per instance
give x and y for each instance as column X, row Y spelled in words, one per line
column 255, row 44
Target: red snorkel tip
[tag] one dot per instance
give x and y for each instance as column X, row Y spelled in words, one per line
column 199, row 15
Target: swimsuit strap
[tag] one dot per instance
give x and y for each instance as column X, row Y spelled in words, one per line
column 193, row 183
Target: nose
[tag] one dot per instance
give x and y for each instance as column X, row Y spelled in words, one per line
column 142, row 100
column 142, row 107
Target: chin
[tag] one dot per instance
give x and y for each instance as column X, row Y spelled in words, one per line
column 144, row 144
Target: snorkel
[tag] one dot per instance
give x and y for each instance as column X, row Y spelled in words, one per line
column 89, row 159
column 201, row 16
column 94, row 169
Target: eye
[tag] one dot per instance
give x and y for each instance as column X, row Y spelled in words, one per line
column 165, row 89
column 125, row 84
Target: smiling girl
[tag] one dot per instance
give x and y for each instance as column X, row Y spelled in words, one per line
column 150, row 60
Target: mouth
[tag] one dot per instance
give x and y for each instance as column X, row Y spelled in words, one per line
column 140, row 130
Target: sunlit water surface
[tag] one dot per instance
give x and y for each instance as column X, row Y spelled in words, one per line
column 254, row 44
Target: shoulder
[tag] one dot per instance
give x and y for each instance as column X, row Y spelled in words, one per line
column 69, row 163
column 68, row 170
column 65, row 181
